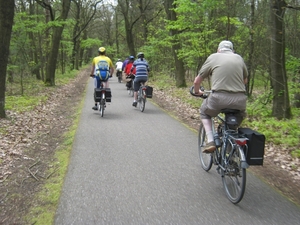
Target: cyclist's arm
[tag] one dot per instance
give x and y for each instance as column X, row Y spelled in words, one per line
column 111, row 70
column 197, row 83
column 132, row 68
column 93, row 68
column 111, row 67
column 245, row 74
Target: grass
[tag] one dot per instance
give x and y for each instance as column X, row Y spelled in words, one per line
column 25, row 97
column 23, row 103
column 44, row 214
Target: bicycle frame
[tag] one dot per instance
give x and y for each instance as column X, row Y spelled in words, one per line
column 229, row 137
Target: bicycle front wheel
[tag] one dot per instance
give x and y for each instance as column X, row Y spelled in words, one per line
column 234, row 178
column 205, row 159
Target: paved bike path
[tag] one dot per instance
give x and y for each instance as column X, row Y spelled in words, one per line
column 143, row 168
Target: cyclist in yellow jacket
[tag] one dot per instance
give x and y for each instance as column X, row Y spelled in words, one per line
column 102, row 70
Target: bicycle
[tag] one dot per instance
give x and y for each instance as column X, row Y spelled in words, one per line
column 101, row 96
column 130, row 89
column 142, row 96
column 229, row 156
column 119, row 75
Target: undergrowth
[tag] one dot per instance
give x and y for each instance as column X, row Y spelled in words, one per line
column 24, row 94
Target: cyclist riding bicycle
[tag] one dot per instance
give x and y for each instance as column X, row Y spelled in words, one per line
column 128, row 72
column 141, row 75
column 228, row 78
column 125, row 63
column 119, row 65
column 102, row 70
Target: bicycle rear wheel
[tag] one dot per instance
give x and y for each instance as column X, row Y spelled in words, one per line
column 102, row 106
column 234, row 178
column 119, row 77
column 205, row 159
column 131, row 90
column 142, row 99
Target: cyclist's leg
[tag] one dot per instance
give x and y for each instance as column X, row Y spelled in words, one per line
column 209, row 109
column 136, row 86
column 105, row 84
column 97, row 83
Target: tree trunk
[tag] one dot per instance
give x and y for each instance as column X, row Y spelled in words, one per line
column 125, row 10
column 144, row 20
column 249, row 85
column 6, row 22
column 281, row 103
column 179, row 64
column 34, row 54
column 56, row 37
column 296, row 81
column 117, row 32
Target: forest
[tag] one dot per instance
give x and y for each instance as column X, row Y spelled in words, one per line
column 43, row 38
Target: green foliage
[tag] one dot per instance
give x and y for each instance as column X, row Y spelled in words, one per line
column 279, row 132
column 23, row 23
column 293, row 71
column 90, row 42
column 162, row 82
column 296, row 153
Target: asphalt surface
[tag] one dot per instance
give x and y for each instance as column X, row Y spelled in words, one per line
column 130, row 167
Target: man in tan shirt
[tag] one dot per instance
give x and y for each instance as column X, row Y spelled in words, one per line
column 228, row 74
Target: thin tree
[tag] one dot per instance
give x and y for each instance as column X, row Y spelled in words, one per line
column 55, row 39
column 81, row 24
column 130, row 20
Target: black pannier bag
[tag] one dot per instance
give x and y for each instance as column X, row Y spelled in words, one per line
column 98, row 92
column 256, row 146
column 149, row 92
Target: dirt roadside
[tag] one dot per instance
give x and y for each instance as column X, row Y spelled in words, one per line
column 27, row 149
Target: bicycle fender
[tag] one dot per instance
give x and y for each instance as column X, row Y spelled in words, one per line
column 244, row 165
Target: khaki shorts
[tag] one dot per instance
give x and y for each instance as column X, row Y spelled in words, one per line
column 217, row 101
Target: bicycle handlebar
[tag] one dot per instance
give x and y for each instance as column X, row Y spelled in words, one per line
column 204, row 96
column 93, row 76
